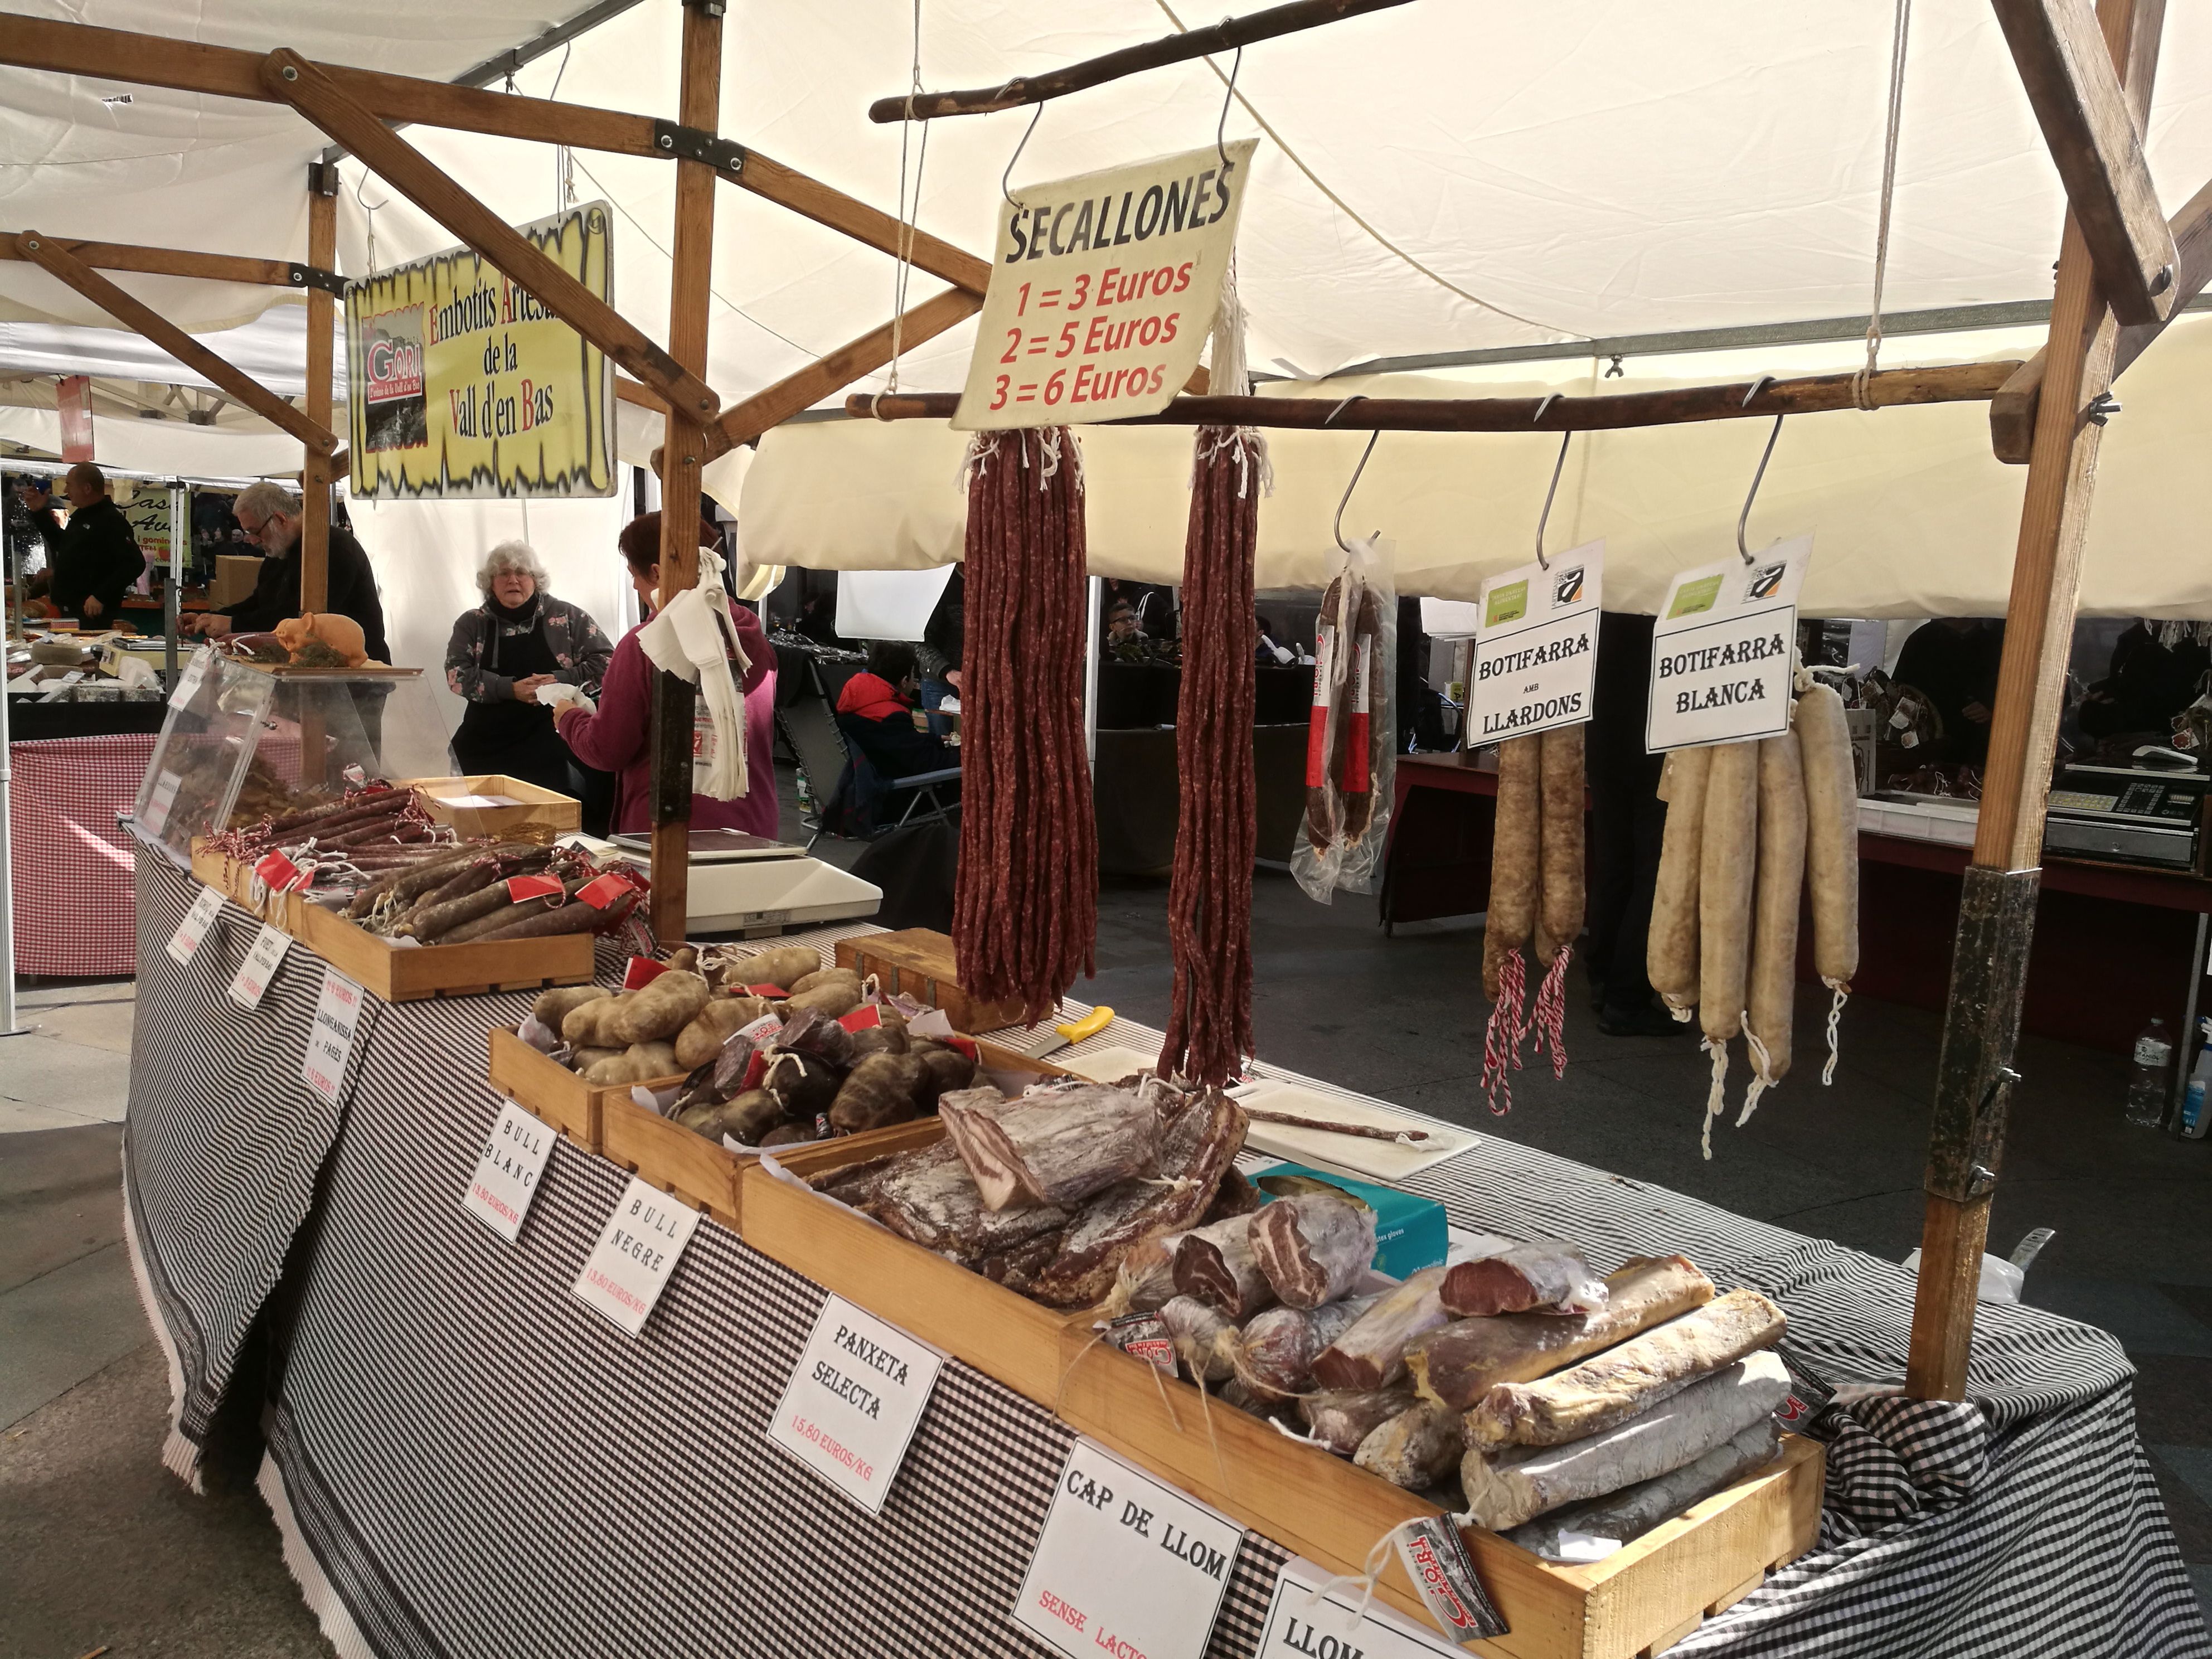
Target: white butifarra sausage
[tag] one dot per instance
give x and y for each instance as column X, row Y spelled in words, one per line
column 1728, row 870
column 1773, row 974
column 1671, row 949
column 1832, row 846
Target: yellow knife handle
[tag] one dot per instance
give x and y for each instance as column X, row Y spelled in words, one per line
column 1089, row 1026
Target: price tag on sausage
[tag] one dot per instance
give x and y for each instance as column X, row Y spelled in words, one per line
column 279, row 874
column 197, row 921
column 506, row 1172
column 250, row 983
column 520, row 888
column 641, row 972
column 158, row 804
column 1721, row 650
column 190, row 677
column 1103, row 288
column 1302, row 1623
column 1535, row 646
column 605, row 889
column 638, row 1250
column 330, row 1039
column 1125, row 1564
column 853, row 1400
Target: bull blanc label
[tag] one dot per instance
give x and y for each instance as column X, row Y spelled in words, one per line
column 1125, row 1567
column 638, row 1250
column 1535, row 646
column 1722, row 649
column 508, row 1170
column 1303, row 1625
column 854, row 1402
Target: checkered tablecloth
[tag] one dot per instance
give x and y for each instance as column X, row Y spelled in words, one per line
column 465, row 1459
column 73, row 909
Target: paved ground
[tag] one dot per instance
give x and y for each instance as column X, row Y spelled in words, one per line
column 99, row 1544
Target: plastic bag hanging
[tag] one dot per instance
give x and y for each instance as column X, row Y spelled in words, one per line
column 1352, row 735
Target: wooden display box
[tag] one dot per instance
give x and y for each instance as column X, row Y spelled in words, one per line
column 706, row 1174
column 919, row 962
column 1640, row 1601
column 405, row 973
column 548, row 1090
column 543, row 815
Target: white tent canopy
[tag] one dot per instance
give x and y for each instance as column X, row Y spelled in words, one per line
column 1433, row 179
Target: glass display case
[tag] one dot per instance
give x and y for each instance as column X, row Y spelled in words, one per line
column 243, row 741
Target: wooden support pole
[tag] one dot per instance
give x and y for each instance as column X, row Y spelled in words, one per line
column 1888, row 388
column 171, row 262
column 241, row 388
column 318, row 96
column 315, row 474
column 1225, row 36
column 1996, row 920
column 743, row 422
column 683, row 450
column 2078, row 92
column 2013, row 410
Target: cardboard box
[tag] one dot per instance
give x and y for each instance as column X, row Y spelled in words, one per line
column 234, row 579
column 1410, row 1231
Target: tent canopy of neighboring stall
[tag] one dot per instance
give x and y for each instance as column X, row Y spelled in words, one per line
column 1433, row 180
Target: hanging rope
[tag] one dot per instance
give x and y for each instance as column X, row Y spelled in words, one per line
column 903, row 272
column 1861, row 390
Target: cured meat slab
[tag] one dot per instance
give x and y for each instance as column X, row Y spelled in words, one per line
column 1053, row 1146
column 1312, row 1248
column 1217, row 1265
column 1542, row 1274
column 1373, row 1353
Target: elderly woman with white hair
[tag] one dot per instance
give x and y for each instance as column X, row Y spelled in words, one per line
column 519, row 639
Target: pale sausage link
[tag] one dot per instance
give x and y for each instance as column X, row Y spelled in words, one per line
column 1774, row 915
column 1671, row 948
column 1832, row 850
column 1727, row 872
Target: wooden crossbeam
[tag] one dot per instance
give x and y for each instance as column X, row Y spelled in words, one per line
column 54, row 258
column 1888, row 388
column 296, row 82
column 2013, row 410
column 113, row 55
column 1227, row 35
column 2081, row 105
column 168, row 262
column 743, row 422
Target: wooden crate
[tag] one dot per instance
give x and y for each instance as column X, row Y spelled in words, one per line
column 543, row 815
column 919, row 962
column 547, row 1089
column 705, row 1174
column 1639, row 1600
column 405, row 973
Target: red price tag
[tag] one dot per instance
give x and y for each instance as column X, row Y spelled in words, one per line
column 866, row 1018
column 772, row 992
column 641, row 972
column 520, row 888
column 605, row 890
column 965, row 1045
column 280, row 875
column 755, row 1069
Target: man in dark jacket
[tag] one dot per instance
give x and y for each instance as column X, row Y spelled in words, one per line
column 91, row 561
column 270, row 515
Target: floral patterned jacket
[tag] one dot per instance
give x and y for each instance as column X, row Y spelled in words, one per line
column 578, row 646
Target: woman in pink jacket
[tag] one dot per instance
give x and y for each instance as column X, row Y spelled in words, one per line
column 618, row 737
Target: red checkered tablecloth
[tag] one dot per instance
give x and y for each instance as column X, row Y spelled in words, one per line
column 75, row 909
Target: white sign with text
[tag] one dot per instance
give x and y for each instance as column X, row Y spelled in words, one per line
column 251, row 982
column 1722, row 647
column 638, row 1250
column 1535, row 646
column 1125, row 1564
column 855, row 1400
column 330, row 1039
column 189, row 676
column 198, row 920
column 159, row 803
column 1103, row 288
column 1303, row 1625
column 506, row 1177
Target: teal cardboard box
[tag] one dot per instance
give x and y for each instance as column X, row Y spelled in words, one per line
column 1409, row 1230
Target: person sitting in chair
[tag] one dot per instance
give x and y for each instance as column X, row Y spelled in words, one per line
column 876, row 712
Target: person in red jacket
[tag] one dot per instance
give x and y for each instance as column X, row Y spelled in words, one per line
column 895, row 738
column 618, row 739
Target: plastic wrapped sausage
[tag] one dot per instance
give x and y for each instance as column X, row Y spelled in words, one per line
column 1415, row 1450
column 1313, row 1247
column 1341, row 1420
column 1217, row 1265
column 1273, row 1355
column 1543, row 1272
column 1196, row 1330
column 1372, row 1354
column 1773, row 971
column 1832, row 846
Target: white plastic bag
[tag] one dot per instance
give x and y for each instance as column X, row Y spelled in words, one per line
column 1352, row 739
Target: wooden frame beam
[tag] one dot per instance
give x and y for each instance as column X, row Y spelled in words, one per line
column 1996, row 920
column 2080, row 101
column 1888, row 388
column 296, row 82
column 773, row 405
column 170, row 262
column 2013, row 410
column 54, row 258
column 316, row 476
column 1227, row 35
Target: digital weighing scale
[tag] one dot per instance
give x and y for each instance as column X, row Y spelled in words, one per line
column 748, row 884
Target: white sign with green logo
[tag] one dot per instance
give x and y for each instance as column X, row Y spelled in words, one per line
column 1722, row 649
column 1535, row 645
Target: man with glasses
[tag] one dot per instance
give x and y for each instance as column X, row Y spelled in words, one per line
column 269, row 516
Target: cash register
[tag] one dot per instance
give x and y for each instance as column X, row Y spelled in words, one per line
column 2147, row 813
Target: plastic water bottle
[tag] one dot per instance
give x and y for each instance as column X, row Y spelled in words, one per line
column 2195, row 1119
column 2148, row 1079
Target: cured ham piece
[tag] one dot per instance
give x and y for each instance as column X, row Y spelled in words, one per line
column 1056, row 1147
column 1373, row 1353
column 1312, row 1248
column 1542, row 1274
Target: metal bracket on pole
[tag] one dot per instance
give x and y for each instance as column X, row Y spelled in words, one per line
column 725, row 155
column 1974, row 1077
column 307, row 275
